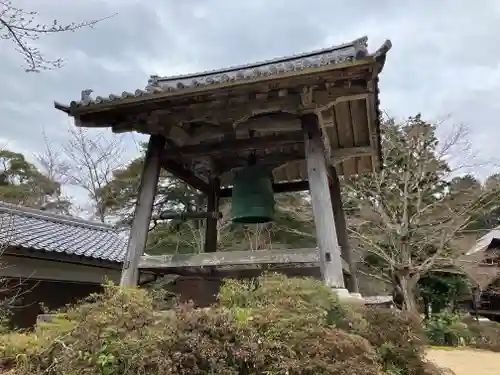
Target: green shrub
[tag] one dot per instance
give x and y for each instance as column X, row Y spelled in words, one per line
column 4, row 322
column 445, row 329
column 484, row 335
column 398, row 338
column 308, row 300
column 274, row 326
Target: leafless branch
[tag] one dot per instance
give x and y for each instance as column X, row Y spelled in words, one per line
column 23, row 28
column 405, row 216
column 50, row 160
column 87, row 160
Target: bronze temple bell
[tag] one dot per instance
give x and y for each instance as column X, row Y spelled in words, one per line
column 253, row 195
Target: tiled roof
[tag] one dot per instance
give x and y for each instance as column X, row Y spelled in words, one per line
column 352, row 51
column 43, row 231
column 484, row 242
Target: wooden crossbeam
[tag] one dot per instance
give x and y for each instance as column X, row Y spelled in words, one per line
column 238, row 144
column 337, row 155
column 285, row 187
column 232, row 258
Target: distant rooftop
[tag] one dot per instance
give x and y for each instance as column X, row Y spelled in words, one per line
column 490, row 239
column 39, row 230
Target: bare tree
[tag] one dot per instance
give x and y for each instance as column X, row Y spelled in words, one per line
column 413, row 216
column 87, row 161
column 23, row 28
column 50, row 160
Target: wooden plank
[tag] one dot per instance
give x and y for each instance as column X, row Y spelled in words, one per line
column 326, row 236
column 330, row 124
column 143, row 210
column 361, row 133
column 231, row 258
column 22, row 268
column 343, row 153
column 346, row 137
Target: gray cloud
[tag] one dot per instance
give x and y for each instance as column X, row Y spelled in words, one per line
column 445, row 58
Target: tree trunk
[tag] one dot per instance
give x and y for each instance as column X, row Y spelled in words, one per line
column 405, row 287
column 427, row 308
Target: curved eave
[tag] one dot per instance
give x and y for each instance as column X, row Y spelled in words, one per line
column 378, row 120
column 62, row 107
column 380, row 57
column 151, row 97
column 381, row 54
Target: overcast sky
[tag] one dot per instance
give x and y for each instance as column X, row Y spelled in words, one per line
column 445, row 58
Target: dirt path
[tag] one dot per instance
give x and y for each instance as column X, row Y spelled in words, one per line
column 466, row 361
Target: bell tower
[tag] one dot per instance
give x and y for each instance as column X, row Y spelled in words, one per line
column 248, row 132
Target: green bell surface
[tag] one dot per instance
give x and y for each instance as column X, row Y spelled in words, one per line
column 253, row 196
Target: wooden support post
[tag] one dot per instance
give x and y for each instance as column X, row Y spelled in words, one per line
column 326, row 234
column 143, row 210
column 341, row 226
column 211, row 223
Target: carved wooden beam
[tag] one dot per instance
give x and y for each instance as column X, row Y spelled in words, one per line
column 185, row 175
column 238, row 144
column 232, row 259
column 234, row 109
column 273, row 160
column 241, row 108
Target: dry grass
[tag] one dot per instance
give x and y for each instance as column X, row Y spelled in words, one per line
column 466, row 361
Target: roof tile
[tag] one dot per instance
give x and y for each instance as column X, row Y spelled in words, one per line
column 39, row 230
column 354, row 50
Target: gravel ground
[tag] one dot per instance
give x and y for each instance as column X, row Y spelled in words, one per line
column 467, row 361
